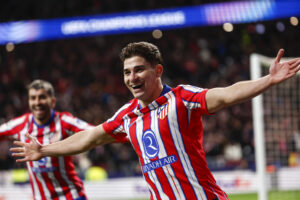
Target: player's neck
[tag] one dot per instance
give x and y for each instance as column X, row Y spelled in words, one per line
column 156, row 94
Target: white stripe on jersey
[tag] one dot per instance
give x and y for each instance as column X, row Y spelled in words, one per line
column 12, row 124
column 118, row 130
column 34, row 185
column 47, row 164
column 192, row 88
column 139, row 135
column 71, row 186
column 39, row 177
column 127, row 126
column 191, row 105
column 62, row 167
column 54, row 181
column 179, row 145
column 177, row 190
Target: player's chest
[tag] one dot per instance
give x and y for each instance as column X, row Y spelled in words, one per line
column 47, row 135
column 148, row 127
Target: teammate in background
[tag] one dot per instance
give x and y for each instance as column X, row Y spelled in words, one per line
column 50, row 177
column 164, row 124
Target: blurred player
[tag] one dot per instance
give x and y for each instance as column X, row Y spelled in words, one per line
column 164, row 125
column 50, row 177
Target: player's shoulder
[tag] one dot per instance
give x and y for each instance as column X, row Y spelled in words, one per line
column 62, row 114
column 16, row 121
column 129, row 105
column 190, row 88
column 23, row 117
column 65, row 116
column 125, row 109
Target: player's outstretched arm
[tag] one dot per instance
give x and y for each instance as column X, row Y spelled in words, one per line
column 77, row 143
column 218, row 98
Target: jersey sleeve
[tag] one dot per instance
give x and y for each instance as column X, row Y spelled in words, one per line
column 114, row 125
column 193, row 98
column 12, row 128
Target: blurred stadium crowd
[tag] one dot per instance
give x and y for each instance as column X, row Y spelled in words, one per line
column 87, row 76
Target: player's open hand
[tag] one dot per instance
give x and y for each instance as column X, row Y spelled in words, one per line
column 282, row 71
column 27, row 151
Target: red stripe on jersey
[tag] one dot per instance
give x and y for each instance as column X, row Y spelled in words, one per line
column 31, row 184
column 39, row 184
column 72, row 175
column 157, row 172
column 135, row 144
column 194, row 130
column 47, row 181
column 177, row 166
column 59, row 178
column 49, row 185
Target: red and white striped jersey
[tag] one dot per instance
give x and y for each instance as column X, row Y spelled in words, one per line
column 167, row 136
column 50, row 177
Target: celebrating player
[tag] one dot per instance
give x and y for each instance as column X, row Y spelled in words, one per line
column 163, row 124
column 50, row 177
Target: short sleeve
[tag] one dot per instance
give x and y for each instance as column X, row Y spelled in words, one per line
column 114, row 125
column 193, row 98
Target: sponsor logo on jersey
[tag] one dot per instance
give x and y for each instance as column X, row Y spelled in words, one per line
column 41, row 170
column 159, row 163
column 163, row 111
column 42, row 166
column 150, row 144
column 42, row 161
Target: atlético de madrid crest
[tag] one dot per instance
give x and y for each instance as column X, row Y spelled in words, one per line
column 163, row 111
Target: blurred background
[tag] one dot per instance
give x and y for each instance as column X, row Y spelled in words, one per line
column 87, row 74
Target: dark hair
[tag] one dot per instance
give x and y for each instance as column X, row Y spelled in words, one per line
column 146, row 50
column 41, row 84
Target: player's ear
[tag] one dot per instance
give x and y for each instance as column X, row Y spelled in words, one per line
column 159, row 69
column 53, row 102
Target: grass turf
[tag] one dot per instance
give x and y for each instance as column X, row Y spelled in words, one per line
column 272, row 195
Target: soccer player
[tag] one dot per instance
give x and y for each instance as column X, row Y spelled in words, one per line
column 163, row 124
column 50, row 177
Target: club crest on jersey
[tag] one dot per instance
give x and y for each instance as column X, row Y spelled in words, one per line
column 163, row 111
column 150, row 144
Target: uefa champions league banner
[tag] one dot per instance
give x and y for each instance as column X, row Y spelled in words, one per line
column 163, row 19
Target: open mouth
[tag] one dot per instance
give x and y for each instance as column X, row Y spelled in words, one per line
column 39, row 109
column 137, row 86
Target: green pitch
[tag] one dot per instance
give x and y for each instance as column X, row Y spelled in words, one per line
column 273, row 195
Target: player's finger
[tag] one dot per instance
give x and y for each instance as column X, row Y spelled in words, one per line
column 29, row 137
column 18, row 143
column 295, row 69
column 279, row 55
column 16, row 149
column 293, row 61
column 21, row 160
column 18, row 154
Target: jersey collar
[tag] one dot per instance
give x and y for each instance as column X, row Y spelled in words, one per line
column 162, row 99
column 47, row 123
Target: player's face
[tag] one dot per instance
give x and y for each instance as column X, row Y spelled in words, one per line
column 142, row 79
column 40, row 104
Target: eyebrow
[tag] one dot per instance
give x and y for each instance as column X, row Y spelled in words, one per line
column 136, row 66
